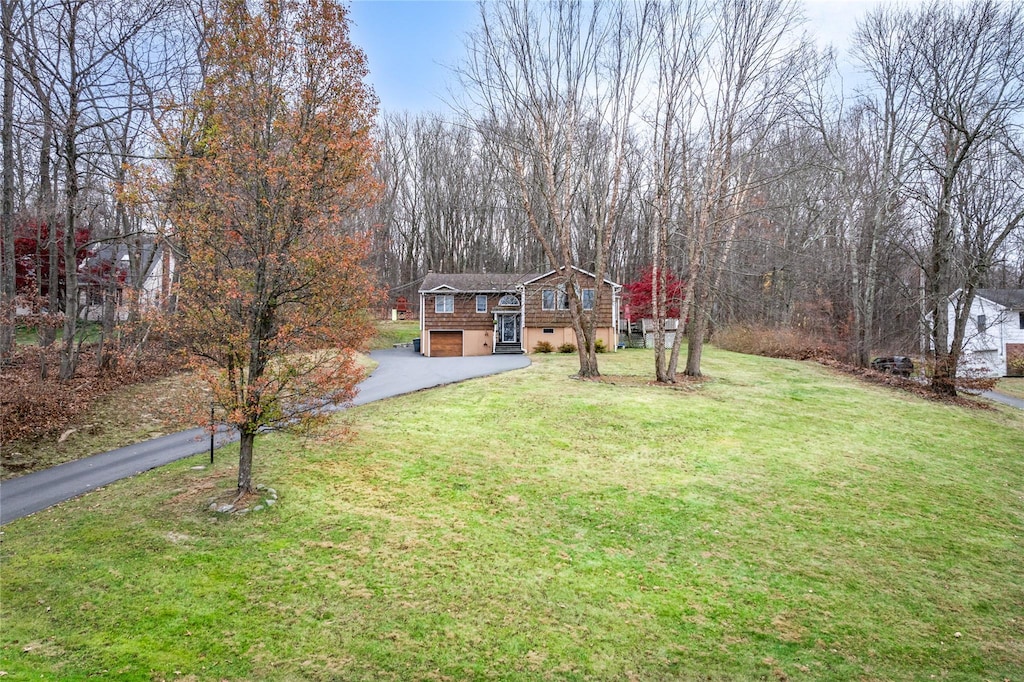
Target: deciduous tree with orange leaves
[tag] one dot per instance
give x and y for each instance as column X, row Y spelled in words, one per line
column 275, row 291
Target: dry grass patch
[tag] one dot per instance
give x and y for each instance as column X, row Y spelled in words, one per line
column 117, row 417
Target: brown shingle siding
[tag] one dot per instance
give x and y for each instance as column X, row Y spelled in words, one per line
column 464, row 316
column 536, row 316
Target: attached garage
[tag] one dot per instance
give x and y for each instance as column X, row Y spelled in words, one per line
column 446, row 344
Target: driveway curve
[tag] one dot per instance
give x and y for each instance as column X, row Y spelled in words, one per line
column 1004, row 399
column 398, row 372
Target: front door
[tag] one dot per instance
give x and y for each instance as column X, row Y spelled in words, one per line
column 508, row 329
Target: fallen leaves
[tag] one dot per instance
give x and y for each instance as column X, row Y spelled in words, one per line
column 32, row 407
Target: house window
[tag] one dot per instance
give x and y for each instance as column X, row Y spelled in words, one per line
column 508, row 300
column 587, row 298
column 1021, row 320
column 981, row 324
column 481, row 303
column 444, row 303
column 547, row 299
column 548, row 330
column 563, row 298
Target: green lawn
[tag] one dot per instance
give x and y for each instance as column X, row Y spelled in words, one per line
column 777, row 522
column 1011, row 386
column 29, row 336
column 390, row 333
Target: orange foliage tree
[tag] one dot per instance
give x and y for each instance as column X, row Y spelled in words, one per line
column 274, row 291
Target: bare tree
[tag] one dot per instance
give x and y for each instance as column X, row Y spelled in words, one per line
column 542, row 80
column 680, row 41
column 7, row 279
column 967, row 73
column 746, row 90
column 73, row 50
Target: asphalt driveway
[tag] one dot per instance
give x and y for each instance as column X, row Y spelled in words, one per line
column 1004, row 399
column 399, row 371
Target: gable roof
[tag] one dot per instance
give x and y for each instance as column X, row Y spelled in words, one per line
column 1008, row 298
column 474, row 283
column 580, row 270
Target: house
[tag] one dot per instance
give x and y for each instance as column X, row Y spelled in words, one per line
column 994, row 337
column 111, row 264
column 482, row 314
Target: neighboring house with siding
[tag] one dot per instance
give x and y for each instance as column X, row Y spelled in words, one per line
column 994, row 337
column 482, row 314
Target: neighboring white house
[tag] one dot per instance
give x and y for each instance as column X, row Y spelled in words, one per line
column 994, row 337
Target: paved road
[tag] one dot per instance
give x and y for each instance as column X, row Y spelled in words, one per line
column 399, row 371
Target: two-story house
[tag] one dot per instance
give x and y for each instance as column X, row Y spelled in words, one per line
column 481, row 314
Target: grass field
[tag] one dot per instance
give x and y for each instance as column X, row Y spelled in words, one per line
column 390, row 333
column 29, row 336
column 1012, row 386
column 776, row 522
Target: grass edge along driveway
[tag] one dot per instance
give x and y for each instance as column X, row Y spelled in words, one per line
column 776, row 522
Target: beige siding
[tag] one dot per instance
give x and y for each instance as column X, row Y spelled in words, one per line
column 564, row 335
column 477, row 342
column 478, row 328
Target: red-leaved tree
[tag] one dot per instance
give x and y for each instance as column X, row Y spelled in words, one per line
column 638, row 295
column 274, row 291
column 32, row 257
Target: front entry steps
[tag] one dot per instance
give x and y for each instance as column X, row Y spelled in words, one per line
column 507, row 349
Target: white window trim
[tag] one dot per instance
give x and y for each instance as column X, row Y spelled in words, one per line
column 442, row 301
column 478, row 298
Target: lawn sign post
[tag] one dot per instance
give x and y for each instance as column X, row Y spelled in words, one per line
column 212, row 430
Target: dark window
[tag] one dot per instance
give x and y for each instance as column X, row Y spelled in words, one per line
column 982, row 326
column 587, row 298
column 548, row 330
column 1021, row 320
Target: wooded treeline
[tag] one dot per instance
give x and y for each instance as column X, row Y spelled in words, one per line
column 713, row 141
column 88, row 87
column 710, row 140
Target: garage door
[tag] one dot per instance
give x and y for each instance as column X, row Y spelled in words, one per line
column 445, row 344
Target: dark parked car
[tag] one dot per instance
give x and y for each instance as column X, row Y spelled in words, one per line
column 894, row 364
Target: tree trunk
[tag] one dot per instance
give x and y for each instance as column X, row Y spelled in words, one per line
column 695, row 340
column 946, row 359
column 248, row 436
column 8, row 290
column 69, row 351
column 107, row 355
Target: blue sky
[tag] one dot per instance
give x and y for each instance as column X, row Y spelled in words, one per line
column 409, row 43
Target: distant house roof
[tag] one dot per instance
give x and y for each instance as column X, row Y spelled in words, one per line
column 472, row 283
column 1008, row 298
